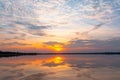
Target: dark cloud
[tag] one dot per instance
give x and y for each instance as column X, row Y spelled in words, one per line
column 19, row 38
column 33, row 29
column 1, row 28
column 96, row 45
column 53, row 43
column 37, row 30
column 41, row 33
column 15, row 35
column 37, row 27
column 15, row 38
column 30, row 25
column 13, row 43
column 11, row 32
column 77, row 43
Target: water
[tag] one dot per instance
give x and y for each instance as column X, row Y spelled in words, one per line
column 61, row 67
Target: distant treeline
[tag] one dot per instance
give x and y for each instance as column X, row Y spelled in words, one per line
column 9, row 54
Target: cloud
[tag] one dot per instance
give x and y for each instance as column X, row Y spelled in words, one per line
column 22, row 13
column 37, row 27
column 52, row 64
column 10, row 32
column 34, row 76
column 93, row 29
column 36, row 20
column 95, row 45
column 13, row 43
column 53, row 43
column 13, row 33
column 15, row 38
column 37, row 30
column 97, row 13
column 55, row 12
column 34, row 29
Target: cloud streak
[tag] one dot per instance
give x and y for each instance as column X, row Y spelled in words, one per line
column 13, row 43
column 94, row 45
column 93, row 29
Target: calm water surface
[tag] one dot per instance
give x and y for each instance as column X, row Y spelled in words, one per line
column 61, row 67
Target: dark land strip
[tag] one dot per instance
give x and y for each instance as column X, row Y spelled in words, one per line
column 10, row 54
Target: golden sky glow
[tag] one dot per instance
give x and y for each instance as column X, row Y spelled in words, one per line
column 58, row 47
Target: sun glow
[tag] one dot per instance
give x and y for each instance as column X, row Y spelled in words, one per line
column 58, row 47
column 55, row 47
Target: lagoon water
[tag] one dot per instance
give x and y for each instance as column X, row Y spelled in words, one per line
column 61, row 67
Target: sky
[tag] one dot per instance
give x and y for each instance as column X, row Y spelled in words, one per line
column 60, row 25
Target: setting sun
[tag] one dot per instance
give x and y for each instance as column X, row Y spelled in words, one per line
column 58, row 47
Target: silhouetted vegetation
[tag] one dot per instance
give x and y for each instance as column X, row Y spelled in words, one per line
column 9, row 54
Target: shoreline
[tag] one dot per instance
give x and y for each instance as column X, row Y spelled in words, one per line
column 12, row 54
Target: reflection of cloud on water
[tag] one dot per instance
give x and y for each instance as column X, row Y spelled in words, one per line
column 38, row 76
column 12, row 74
column 97, row 73
column 9, row 78
column 52, row 64
column 85, row 73
column 98, row 61
column 60, row 68
column 11, row 71
column 11, row 65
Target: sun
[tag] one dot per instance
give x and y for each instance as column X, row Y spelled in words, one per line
column 58, row 47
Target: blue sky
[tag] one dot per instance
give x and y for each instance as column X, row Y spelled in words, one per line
column 60, row 25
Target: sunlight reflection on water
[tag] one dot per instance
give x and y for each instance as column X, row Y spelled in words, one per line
column 60, row 67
